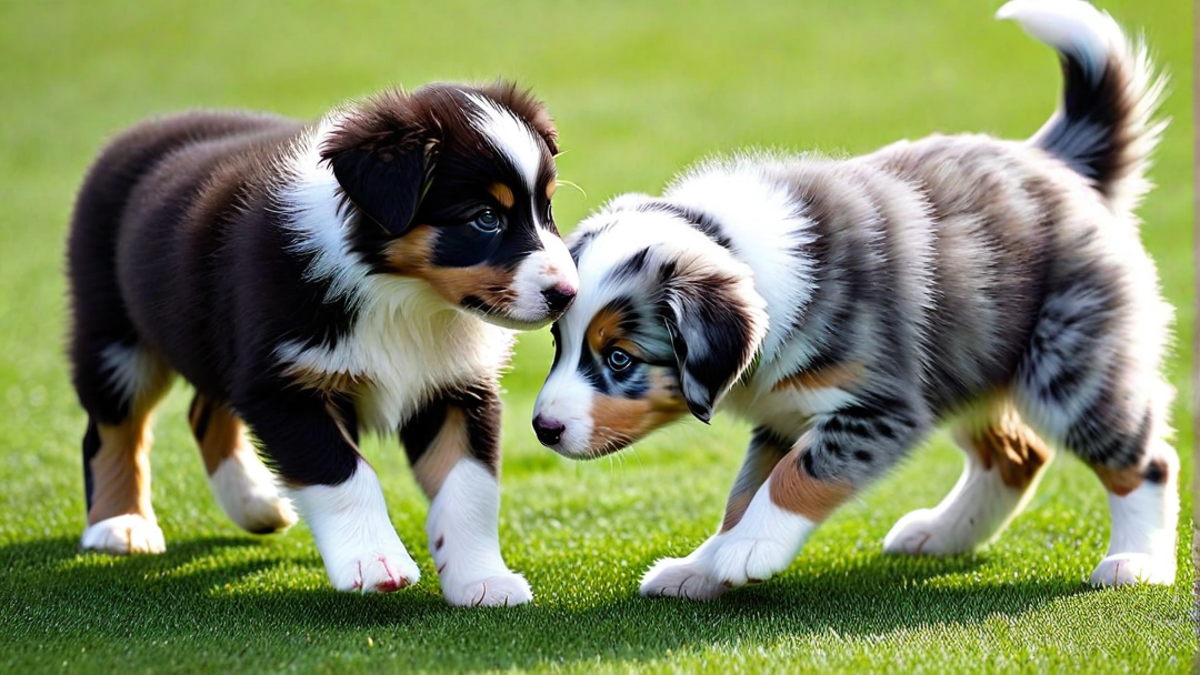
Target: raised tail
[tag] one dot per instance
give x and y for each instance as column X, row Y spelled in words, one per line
column 1104, row 127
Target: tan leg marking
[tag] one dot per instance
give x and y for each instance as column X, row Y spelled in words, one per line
column 121, row 468
column 1120, row 482
column 1006, row 444
column 792, row 489
column 443, row 454
column 218, row 432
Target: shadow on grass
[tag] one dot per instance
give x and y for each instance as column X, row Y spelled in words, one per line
column 189, row 595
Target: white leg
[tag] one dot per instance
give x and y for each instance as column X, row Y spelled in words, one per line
column 249, row 495
column 350, row 526
column 763, row 543
column 986, row 498
column 464, row 538
column 1141, row 546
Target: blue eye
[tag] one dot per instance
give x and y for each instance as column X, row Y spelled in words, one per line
column 487, row 221
column 618, row 360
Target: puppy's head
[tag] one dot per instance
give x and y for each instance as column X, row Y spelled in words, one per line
column 666, row 321
column 452, row 185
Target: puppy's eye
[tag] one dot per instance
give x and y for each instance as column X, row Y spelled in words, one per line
column 486, row 221
column 618, row 360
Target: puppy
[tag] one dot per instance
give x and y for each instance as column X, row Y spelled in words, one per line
column 313, row 281
column 847, row 307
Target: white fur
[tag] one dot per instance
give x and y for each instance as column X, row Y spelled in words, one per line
column 540, row 271
column 131, row 369
column 350, row 526
column 1141, row 545
column 1072, row 26
column 762, row 544
column 464, row 520
column 249, row 494
column 509, row 135
column 566, row 398
column 764, row 225
column 976, row 511
column 406, row 340
column 125, row 534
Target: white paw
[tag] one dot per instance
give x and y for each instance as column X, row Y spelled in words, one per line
column 737, row 561
column 122, row 535
column 679, row 578
column 508, row 588
column 1125, row 569
column 922, row 532
column 249, row 495
column 374, row 572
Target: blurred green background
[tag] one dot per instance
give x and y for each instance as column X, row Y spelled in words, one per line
column 639, row 90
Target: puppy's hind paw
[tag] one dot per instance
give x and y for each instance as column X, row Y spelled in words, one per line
column 679, row 578
column 495, row 591
column 1127, row 569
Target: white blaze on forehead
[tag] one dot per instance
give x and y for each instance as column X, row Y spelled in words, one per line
column 509, row 135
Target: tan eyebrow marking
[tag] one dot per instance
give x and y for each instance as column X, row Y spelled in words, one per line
column 503, row 194
column 550, row 189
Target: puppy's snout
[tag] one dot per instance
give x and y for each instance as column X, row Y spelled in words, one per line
column 549, row 432
column 559, row 297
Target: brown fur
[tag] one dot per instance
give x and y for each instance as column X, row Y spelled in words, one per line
column 616, row 420
column 1011, row 448
column 794, row 490
column 503, row 194
column 411, row 256
column 219, row 433
column 449, row 447
column 840, row 376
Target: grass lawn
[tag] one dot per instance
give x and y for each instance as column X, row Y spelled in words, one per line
column 639, row 90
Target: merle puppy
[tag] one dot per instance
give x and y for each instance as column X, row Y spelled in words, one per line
column 311, row 281
column 847, row 307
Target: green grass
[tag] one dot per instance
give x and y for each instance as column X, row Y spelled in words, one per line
column 639, row 90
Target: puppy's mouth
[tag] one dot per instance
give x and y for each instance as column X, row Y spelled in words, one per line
column 506, row 317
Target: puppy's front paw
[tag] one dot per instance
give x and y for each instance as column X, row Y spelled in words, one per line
column 123, row 535
column 737, row 561
column 499, row 590
column 679, row 578
column 1125, row 569
column 374, row 572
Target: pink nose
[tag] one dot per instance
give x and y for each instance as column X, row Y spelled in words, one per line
column 559, row 297
column 549, row 432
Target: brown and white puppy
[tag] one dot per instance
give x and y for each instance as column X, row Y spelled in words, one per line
column 847, row 307
column 313, row 281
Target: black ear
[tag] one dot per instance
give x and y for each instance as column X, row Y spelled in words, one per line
column 717, row 324
column 386, row 183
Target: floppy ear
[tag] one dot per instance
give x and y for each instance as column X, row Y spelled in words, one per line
column 385, row 181
column 717, row 323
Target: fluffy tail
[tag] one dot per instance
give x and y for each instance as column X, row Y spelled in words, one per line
column 1104, row 128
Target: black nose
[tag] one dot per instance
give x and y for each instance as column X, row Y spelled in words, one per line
column 559, row 297
column 548, row 431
